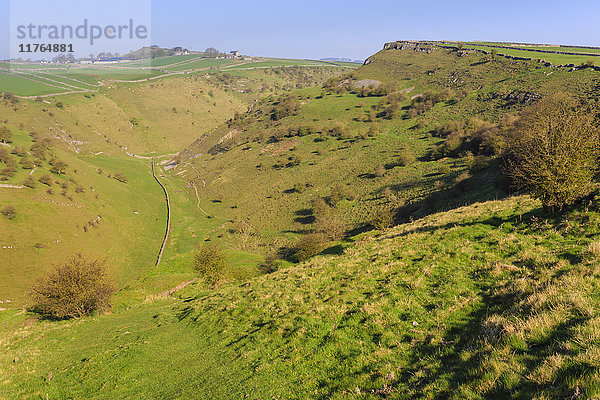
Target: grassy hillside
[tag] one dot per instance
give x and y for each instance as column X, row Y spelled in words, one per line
column 99, row 135
column 429, row 280
column 338, row 141
column 486, row 301
column 554, row 54
column 83, row 209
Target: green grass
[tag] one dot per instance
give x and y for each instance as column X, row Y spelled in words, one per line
column 247, row 184
column 200, row 63
column 456, row 305
column 549, row 57
column 283, row 63
column 24, row 87
column 94, row 131
column 522, row 51
column 565, row 48
column 491, row 300
column 129, row 221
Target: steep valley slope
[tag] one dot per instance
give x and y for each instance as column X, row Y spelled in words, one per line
column 429, row 279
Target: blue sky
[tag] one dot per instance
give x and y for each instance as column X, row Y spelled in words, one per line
column 353, row 29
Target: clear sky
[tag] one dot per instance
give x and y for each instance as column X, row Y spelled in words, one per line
column 352, row 29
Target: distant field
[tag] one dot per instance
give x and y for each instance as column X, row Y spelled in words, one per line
column 31, row 79
column 284, row 63
column 586, row 50
column 199, row 63
column 559, row 59
column 25, row 87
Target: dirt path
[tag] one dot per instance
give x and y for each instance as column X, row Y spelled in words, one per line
column 168, row 229
column 198, row 197
column 198, row 177
column 4, row 185
column 171, row 291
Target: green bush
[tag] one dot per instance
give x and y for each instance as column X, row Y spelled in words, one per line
column 209, row 261
column 270, row 265
column 58, row 167
column 383, row 218
column 444, row 169
column 554, row 151
column 341, row 192
column 121, row 177
column 9, row 169
column 45, row 179
column 27, row 163
column 73, row 290
column 29, row 182
column 406, row 157
column 330, row 225
column 5, row 135
column 310, row 245
column 340, row 131
column 285, row 107
column 9, row 212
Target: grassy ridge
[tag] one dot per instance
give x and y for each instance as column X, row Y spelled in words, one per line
column 528, row 51
column 246, row 180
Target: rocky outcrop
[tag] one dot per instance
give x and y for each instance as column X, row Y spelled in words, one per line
column 409, row 45
column 457, row 47
column 515, row 97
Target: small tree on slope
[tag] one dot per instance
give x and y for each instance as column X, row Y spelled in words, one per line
column 554, row 151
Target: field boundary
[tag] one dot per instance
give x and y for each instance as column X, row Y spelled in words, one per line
column 168, row 229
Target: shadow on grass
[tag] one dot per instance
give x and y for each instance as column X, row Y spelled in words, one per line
column 464, row 356
column 44, row 315
column 336, row 250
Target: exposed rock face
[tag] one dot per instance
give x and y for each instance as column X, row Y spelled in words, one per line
column 515, row 97
column 430, row 46
column 407, row 45
column 366, row 83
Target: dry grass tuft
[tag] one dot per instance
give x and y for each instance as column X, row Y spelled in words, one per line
column 594, row 248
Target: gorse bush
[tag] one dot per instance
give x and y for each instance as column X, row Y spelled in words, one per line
column 209, row 261
column 424, row 103
column 73, row 290
column 406, row 157
column 330, row 225
column 5, row 135
column 383, row 219
column 341, row 192
column 121, row 177
column 45, row 179
column 9, row 212
column 58, row 167
column 390, row 105
column 473, row 135
column 285, row 107
column 554, row 151
column 310, row 245
column 340, row 131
